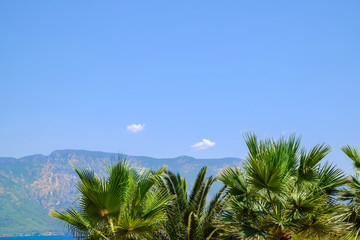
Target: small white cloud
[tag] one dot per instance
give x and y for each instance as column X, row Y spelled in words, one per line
column 135, row 127
column 204, row 144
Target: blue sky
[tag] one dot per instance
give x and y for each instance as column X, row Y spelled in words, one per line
column 75, row 74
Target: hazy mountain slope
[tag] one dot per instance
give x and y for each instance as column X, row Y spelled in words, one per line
column 32, row 185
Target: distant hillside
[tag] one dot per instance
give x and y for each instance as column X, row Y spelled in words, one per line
column 32, row 185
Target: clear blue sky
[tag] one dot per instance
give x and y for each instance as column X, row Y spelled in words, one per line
column 74, row 74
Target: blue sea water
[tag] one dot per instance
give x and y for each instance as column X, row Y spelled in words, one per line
column 38, row 238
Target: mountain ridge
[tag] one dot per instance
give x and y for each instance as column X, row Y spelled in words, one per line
column 70, row 150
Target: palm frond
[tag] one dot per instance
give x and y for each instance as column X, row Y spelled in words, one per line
column 353, row 154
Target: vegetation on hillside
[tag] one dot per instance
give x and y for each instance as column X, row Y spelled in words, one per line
column 282, row 191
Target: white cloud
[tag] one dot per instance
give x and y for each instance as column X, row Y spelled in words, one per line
column 135, row 127
column 204, row 144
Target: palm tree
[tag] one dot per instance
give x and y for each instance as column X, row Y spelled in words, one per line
column 282, row 190
column 189, row 217
column 352, row 195
column 127, row 204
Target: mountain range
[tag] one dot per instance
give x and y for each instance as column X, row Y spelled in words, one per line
column 31, row 186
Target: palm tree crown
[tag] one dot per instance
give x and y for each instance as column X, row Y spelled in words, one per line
column 189, row 216
column 281, row 190
column 126, row 204
column 352, row 195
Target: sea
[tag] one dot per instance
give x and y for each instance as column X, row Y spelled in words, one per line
column 38, row 238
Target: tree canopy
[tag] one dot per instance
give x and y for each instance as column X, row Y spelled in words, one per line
column 280, row 191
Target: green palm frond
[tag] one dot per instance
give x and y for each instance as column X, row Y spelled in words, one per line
column 354, row 155
column 265, row 172
column 155, row 204
column 80, row 225
column 330, row 178
column 351, row 194
column 191, row 217
column 309, row 162
column 270, row 162
column 325, row 222
column 195, row 194
column 302, row 201
column 235, row 180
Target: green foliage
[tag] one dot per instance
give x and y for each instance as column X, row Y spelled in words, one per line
column 127, row 204
column 13, row 204
column 351, row 194
column 189, row 217
column 282, row 191
column 13, row 220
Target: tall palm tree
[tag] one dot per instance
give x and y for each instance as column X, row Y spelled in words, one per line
column 352, row 195
column 126, row 204
column 282, row 190
column 189, row 217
